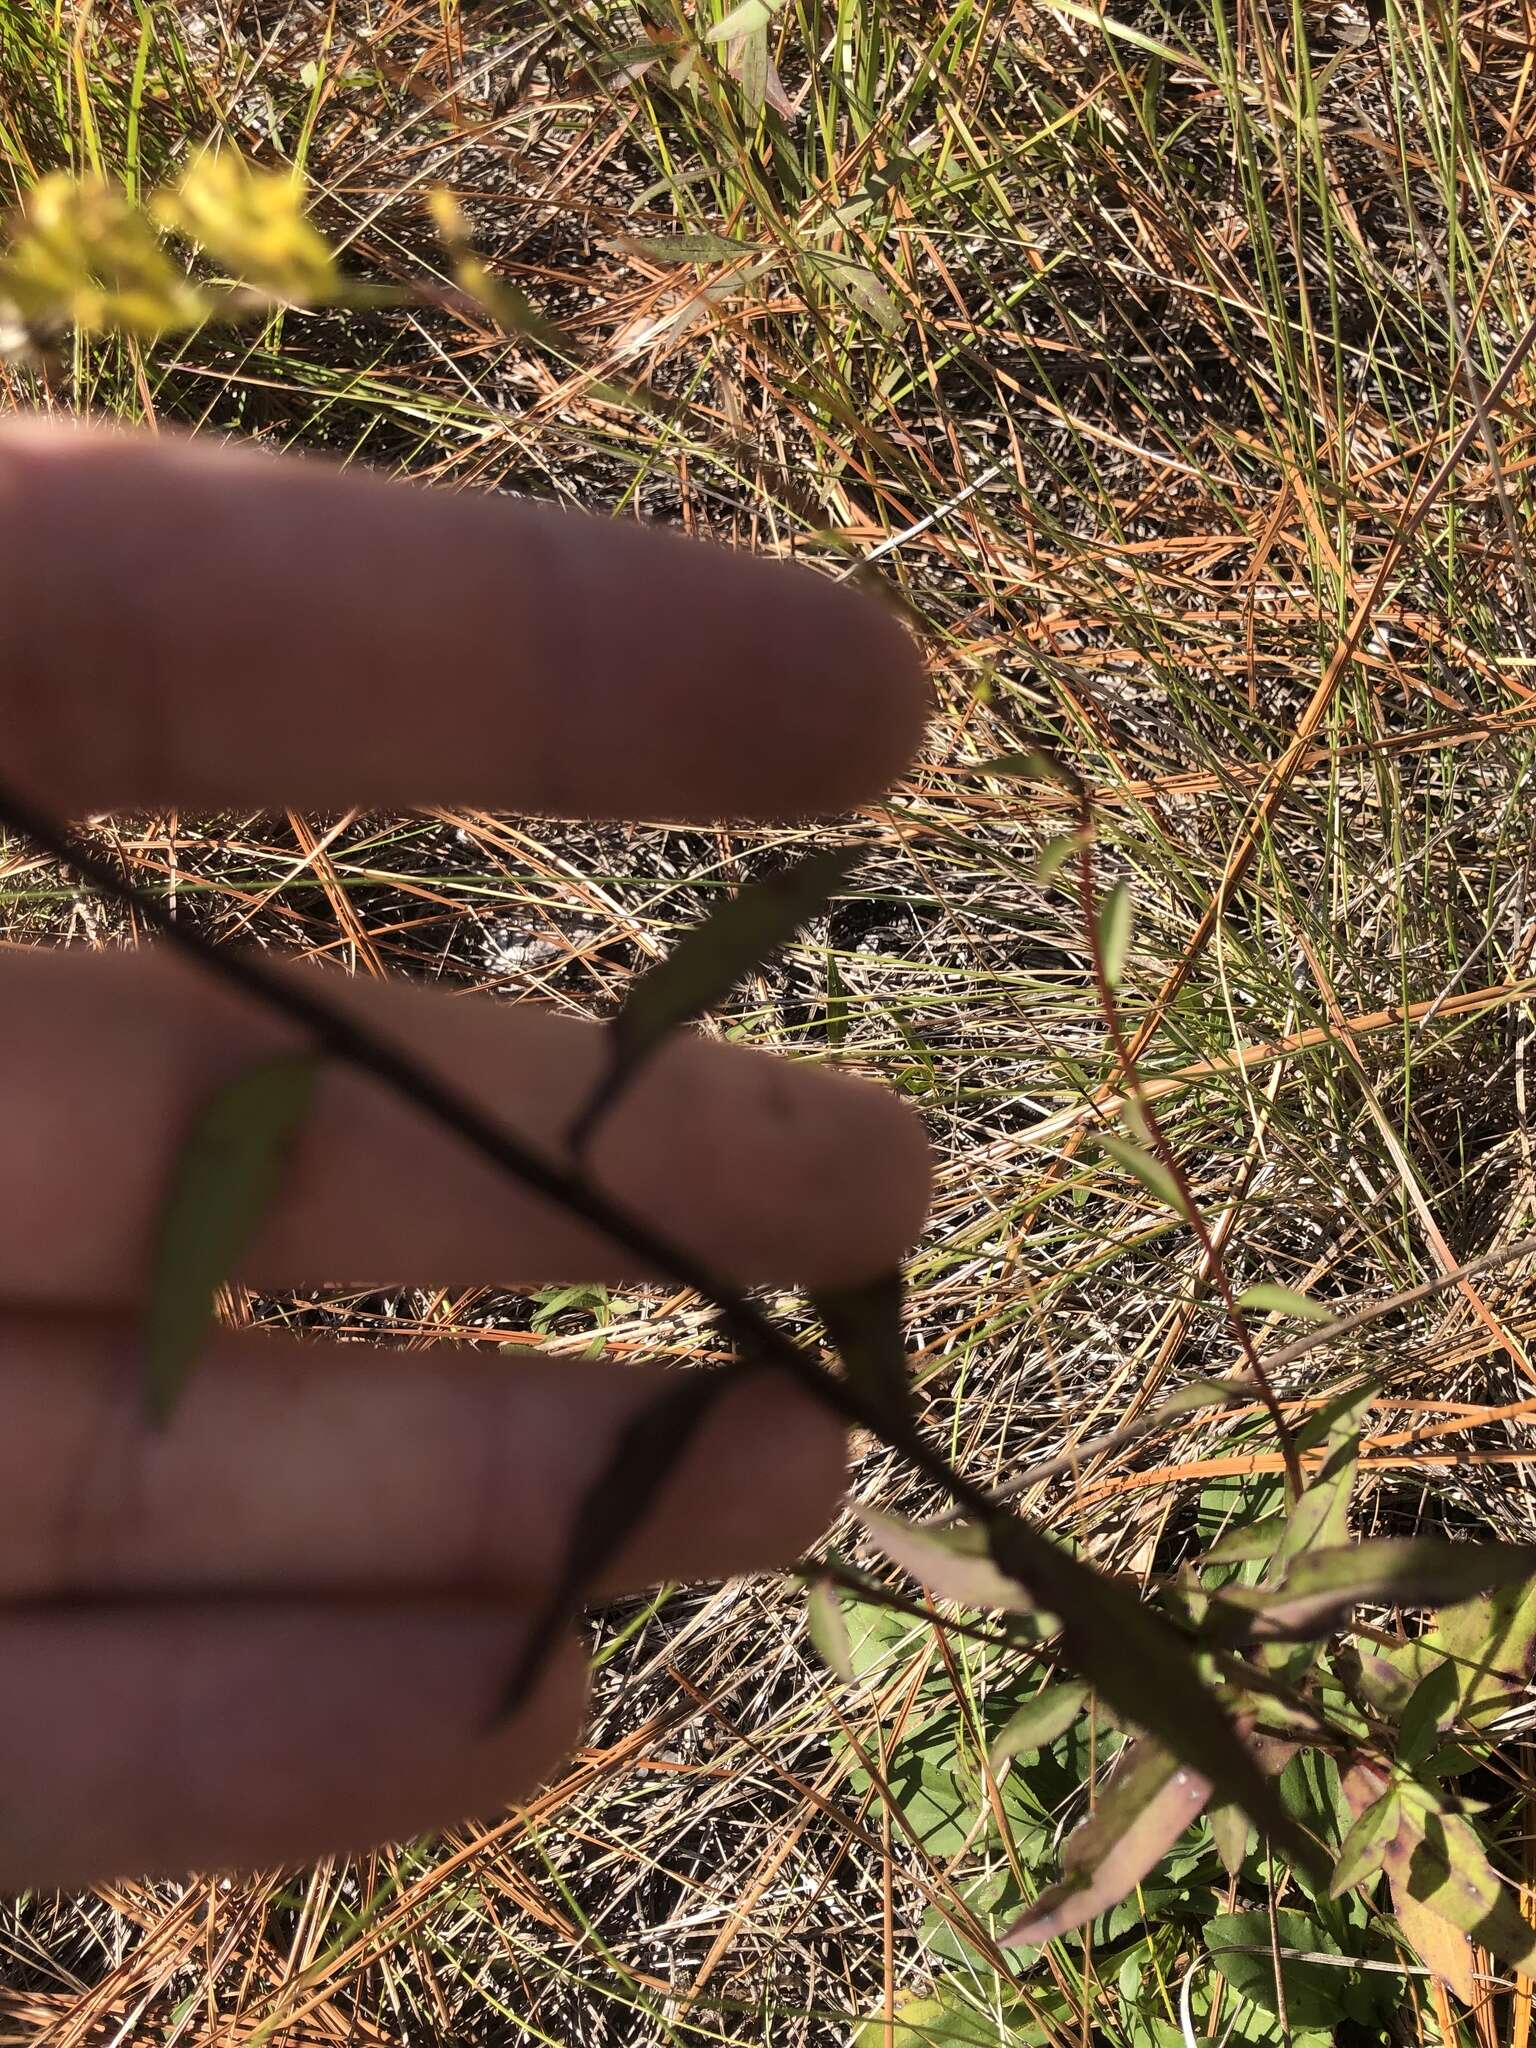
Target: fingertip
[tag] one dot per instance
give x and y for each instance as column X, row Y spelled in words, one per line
column 162, row 1740
column 758, row 1486
column 781, row 693
column 901, row 696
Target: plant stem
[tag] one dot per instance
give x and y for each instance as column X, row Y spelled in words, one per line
column 1124, row 1053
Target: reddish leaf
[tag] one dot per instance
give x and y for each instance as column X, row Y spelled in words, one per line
column 1437, row 1865
column 1363, row 1850
column 1147, row 1804
column 1145, row 1671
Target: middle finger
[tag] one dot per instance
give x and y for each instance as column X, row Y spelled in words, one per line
column 345, row 1470
column 764, row 1170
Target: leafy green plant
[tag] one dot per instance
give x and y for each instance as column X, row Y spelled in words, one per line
column 1237, row 1687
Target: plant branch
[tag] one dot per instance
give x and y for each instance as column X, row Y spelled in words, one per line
column 1167, row 1154
column 349, row 1038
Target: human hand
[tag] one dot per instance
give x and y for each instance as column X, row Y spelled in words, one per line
column 278, row 1625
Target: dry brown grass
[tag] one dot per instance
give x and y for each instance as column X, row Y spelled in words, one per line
column 1160, row 390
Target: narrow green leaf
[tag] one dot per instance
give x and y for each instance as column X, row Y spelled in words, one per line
column 1055, row 854
column 1038, row 1722
column 1146, row 1167
column 1030, row 764
column 1431, row 1708
column 952, row 1560
column 1181, row 60
column 1247, row 1543
column 1149, row 1801
column 862, row 287
column 1231, row 1831
column 708, row 962
column 225, row 1180
column 1363, row 1850
column 1320, row 1588
column 1115, row 933
column 828, row 1629
column 743, row 20
column 1145, row 1671
column 700, row 246
column 865, row 1325
column 837, row 1004
column 1284, row 1301
column 1320, row 1519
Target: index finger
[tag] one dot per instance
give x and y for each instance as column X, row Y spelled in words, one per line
column 218, row 628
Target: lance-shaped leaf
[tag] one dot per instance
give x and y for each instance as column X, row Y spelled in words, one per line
column 827, row 1627
column 701, row 246
column 1321, row 1517
column 644, row 1456
column 1038, row 1722
column 1231, row 1831
column 707, row 963
column 860, row 286
column 1115, row 933
column 1284, row 1301
column 1441, row 1878
column 952, row 1561
column 1147, row 1804
column 1247, row 1543
column 225, row 1179
column 1491, row 1644
column 1055, row 854
column 1364, row 1849
column 1438, row 1861
column 1320, row 1588
column 1145, row 1671
column 1147, row 1167
column 1139, row 1665
column 865, row 1325
column 1429, row 1710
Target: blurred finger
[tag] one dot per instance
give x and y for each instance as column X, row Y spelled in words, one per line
column 338, row 1469
column 217, row 628
column 770, row 1172
column 146, row 1739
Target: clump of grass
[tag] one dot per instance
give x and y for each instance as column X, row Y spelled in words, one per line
column 1133, row 351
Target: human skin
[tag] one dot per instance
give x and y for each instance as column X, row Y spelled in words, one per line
column 277, row 1626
